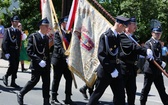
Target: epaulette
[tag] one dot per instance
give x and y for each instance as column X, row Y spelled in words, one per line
column 107, row 32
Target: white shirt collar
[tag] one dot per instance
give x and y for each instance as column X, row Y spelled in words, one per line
column 42, row 35
column 155, row 40
column 114, row 31
column 13, row 27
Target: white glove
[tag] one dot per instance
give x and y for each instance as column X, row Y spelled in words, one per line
column 7, row 56
column 149, row 54
column 42, row 63
column 67, row 60
column 163, row 64
column 114, row 74
column 24, row 36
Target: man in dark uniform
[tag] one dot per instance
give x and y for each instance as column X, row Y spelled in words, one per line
column 11, row 48
column 130, row 50
column 60, row 66
column 151, row 71
column 38, row 51
column 108, row 72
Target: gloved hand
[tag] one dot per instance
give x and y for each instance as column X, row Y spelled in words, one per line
column 67, row 60
column 149, row 54
column 7, row 56
column 114, row 74
column 42, row 63
column 163, row 64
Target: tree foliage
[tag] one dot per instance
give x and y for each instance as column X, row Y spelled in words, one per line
column 4, row 4
column 144, row 11
column 29, row 13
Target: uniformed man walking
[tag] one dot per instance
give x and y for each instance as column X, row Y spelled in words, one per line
column 130, row 50
column 108, row 72
column 38, row 51
column 60, row 66
column 151, row 72
column 11, row 48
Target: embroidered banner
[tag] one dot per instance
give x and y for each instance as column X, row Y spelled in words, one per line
column 89, row 25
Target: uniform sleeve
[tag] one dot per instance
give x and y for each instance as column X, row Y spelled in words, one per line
column 148, row 45
column 5, row 43
column 58, row 45
column 31, row 50
column 103, row 56
column 129, row 46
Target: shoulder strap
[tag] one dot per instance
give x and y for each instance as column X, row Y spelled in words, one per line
column 107, row 47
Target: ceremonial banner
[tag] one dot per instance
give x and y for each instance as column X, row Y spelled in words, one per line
column 72, row 13
column 46, row 11
column 89, row 25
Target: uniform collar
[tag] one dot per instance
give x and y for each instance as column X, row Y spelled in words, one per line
column 114, row 31
column 156, row 41
column 13, row 28
column 42, row 35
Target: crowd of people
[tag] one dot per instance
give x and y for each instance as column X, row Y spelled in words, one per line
column 118, row 53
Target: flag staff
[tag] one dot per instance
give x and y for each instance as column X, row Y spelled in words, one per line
column 56, row 19
column 102, row 10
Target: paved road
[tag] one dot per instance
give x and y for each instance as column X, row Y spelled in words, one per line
column 34, row 97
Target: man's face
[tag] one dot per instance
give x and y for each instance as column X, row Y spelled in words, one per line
column 15, row 23
column 64, row 24
column 156, row 35
column 132, row 27
column 122, row 28
column 44, row 29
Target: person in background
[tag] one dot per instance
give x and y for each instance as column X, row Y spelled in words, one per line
column 38, row 51
column 1, row 38
column 152, row 74
column 23, row 53
column 164, row 54
column 2, row 30
column 60, row 67
column 11, row 49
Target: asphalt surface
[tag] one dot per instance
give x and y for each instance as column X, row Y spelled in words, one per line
column 34, row 97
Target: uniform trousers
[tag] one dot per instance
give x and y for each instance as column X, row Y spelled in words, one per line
column 157, row 79
column 117, row 88
column 130, row 88
column 35, row 77
column 13, row 64
column 59, row 69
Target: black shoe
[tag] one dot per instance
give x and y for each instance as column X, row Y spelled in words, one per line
column 55, row 102
column 20, row 99
column 23, row 70
column 69, row 102
column 83, row 93
column 5, row 80
column 14, row 85
column 46, row 104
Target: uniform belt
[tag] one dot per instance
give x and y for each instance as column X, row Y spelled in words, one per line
column 132, row 62
column 117, row 61
column 14, row 47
